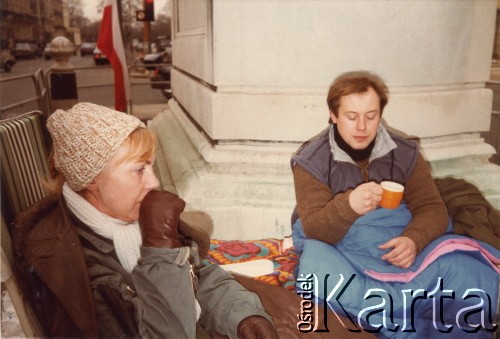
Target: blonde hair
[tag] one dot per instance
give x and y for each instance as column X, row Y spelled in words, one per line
column 141, row 147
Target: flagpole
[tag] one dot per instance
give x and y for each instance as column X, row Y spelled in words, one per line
column 120, row 18
column 120, row 22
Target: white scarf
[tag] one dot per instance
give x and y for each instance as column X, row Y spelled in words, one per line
column 126, row 236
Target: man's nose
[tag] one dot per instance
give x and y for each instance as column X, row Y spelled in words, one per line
column 361, row 124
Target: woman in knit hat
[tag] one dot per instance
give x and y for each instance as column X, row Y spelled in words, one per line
column 104, row 255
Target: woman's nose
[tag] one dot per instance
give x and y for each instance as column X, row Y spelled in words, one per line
column 152, row 181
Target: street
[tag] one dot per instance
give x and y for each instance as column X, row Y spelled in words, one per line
column 16, row 91
column 29, row 66
column 94, row 83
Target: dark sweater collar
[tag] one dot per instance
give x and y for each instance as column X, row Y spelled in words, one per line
column 355, row 154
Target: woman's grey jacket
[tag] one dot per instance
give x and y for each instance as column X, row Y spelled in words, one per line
column 79, row 288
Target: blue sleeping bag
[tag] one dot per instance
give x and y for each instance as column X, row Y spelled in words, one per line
column 450, row 290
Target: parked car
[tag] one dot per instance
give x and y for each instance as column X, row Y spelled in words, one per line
column 99, row 57
column 7, row 60
column 87, row 48
column 46, row 52
column 152, row 60
column 161, row 80
column 26, row 50
column 162, row 54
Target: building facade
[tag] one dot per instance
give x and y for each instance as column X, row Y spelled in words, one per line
column 33, row 21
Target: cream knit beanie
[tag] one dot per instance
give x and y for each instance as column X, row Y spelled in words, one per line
column 85, row 137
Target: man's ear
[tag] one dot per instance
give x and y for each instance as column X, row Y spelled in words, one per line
column 333, row 118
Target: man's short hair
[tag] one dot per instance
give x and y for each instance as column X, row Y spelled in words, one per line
column 356, row 82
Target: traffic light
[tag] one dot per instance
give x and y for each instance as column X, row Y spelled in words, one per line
column 149, row 10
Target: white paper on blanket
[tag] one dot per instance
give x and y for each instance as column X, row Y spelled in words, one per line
column 286, row 243
column 252, row 268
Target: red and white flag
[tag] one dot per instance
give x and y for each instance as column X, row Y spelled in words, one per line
column 111, row 44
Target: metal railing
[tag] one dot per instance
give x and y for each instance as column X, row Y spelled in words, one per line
column 36, row 95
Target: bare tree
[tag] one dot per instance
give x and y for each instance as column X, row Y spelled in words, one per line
column 75, row 12
column 90, row 32
column 161, row 26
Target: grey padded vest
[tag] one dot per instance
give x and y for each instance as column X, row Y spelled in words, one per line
column 316, row 158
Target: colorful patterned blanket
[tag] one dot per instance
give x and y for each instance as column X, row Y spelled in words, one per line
column 236, row 251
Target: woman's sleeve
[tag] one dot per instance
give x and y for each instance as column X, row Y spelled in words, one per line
column 324, row 216
column 225, row 302
column 165, row 302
